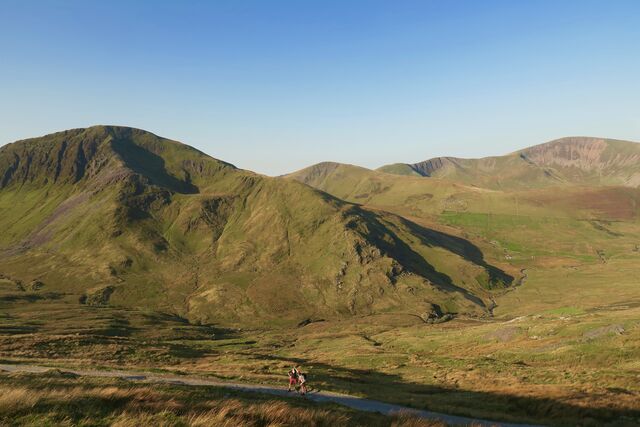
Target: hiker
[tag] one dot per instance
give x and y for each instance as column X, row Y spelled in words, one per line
column 302, row 379
column 294, row 375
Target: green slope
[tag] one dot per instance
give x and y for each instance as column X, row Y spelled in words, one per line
column 122, row 217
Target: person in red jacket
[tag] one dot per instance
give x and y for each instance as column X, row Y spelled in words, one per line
column 294, row 375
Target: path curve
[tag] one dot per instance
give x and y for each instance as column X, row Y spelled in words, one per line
column 354, row 402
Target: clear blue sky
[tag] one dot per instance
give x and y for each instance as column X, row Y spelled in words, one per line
column 274, row 86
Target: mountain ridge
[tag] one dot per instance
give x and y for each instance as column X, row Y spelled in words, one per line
column 548, row 163
column 125, row 217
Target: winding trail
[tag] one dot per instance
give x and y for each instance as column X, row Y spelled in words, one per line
column 354, row 402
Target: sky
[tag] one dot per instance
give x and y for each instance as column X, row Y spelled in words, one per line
column 275, row 86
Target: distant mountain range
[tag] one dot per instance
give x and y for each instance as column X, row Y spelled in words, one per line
column 574, row 160
column 570, row 177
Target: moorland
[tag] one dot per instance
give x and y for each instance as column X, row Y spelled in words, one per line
column 501, row 288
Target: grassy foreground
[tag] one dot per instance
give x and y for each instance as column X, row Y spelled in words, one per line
column 59, row 399
column 573, row 365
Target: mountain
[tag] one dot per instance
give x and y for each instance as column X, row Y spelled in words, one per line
column 119, row 216
column 572, row 160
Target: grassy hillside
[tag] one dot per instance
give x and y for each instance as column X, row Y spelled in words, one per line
column 562, row 343
column 124, row 249
column 562, row 354
column 119, row 216
column 544, row 232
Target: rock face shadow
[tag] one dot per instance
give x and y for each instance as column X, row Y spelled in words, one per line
column 149, row 164
column 417, row 264
column 460, row 247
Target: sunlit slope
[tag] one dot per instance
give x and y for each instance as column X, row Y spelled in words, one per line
column 120, row 216
column 573, row 160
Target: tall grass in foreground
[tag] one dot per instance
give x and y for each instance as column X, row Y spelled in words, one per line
column 27, row 400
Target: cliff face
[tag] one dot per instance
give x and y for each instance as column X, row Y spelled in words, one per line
column 64, row 158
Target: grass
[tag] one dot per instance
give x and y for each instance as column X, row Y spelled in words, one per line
column 55, row 399
column 216, row 282
column 564, row 311
column 538, row 360
column 546, row 367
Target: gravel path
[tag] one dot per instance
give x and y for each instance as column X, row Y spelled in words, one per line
column 358, row 403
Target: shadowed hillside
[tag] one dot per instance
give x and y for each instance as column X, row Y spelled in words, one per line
column 119, row 216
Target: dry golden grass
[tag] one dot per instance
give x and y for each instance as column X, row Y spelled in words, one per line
column 405, row 419
column 16, row 399
column 136, row 419
column 234, row 412
column 33, row 400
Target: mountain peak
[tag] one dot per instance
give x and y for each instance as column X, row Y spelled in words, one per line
column 568, row 144
column 583, row 152
column 73, row 155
